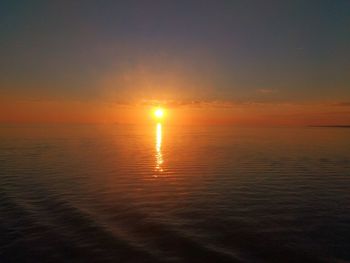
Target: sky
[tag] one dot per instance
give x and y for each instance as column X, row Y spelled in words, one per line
column 238, row 62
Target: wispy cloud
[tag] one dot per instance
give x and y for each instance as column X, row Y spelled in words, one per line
column 266, row 91
column 342, row 104
column 206, row 103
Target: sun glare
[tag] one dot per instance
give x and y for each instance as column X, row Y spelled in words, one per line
column 159, row 113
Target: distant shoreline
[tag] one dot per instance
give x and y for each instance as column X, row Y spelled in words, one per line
column 330, row 126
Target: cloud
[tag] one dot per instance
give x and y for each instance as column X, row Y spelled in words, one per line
column 342, row 104
column 173, row 103
column 266, row 91
column 207, row 103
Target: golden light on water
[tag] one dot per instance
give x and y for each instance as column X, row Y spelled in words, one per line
column 159, row 156
column 158, row 114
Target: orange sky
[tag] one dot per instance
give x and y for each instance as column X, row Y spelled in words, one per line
column 227, row 62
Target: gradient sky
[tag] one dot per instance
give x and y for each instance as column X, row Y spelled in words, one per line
column 282, row 62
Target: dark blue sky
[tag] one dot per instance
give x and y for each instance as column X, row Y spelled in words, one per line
column 189, row 50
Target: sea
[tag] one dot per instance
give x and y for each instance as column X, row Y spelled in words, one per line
column 163, row 193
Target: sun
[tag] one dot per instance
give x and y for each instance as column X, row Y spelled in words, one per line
column 159, row 113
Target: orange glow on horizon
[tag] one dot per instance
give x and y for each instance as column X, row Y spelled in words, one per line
column 16, row 109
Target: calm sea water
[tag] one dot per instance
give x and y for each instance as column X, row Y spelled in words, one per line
column 174, row 194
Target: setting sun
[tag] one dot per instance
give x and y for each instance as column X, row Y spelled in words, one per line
column 159, row 113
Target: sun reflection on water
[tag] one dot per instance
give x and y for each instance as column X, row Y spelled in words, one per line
column 159, row 155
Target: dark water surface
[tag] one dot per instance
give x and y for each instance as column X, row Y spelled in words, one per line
column 174, row 194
